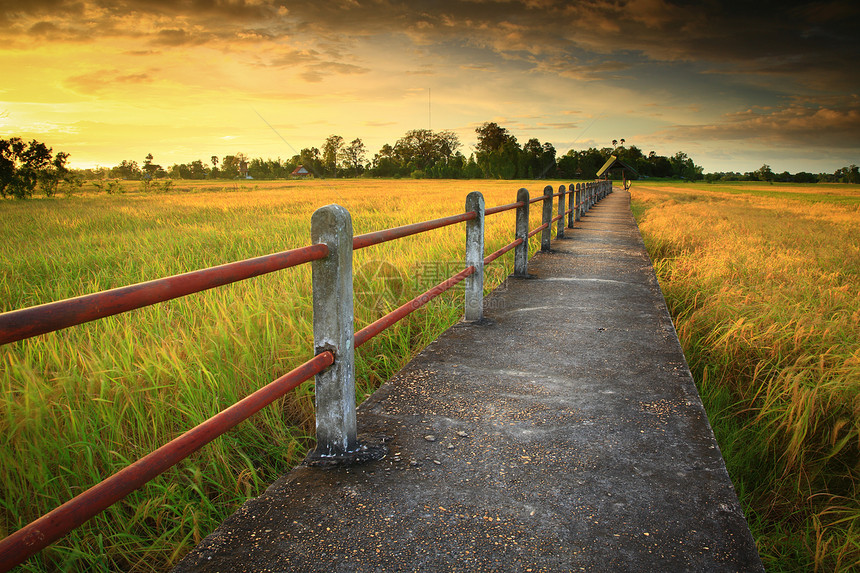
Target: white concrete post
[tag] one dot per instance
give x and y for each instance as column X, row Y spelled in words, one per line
column 560, row 232
column 571, row 205
column 584, row 198
column 577, row 215
column 474, row 297
column 546, row 235
column 521, row 251
column 333, row 331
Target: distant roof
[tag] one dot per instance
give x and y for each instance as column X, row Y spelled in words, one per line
column 613, row 161
column 300, row 170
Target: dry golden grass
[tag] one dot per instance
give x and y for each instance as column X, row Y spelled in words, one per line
column 80, row 404
column 764, row 285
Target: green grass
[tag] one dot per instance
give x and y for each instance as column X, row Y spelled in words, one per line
column 764, row 288
column 80, row 404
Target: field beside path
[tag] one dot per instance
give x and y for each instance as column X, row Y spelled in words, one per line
column 82, row 403
column 763, row 284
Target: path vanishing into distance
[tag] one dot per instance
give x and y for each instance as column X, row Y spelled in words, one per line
column 561, row 433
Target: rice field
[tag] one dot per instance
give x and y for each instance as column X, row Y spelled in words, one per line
column 763, row 283
column 80, row 404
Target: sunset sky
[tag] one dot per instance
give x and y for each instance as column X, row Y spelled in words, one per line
column 733, row 84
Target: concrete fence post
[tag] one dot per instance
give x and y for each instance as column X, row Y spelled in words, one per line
column 571, row 205
column 333, row 331
column 474, row 297
column 546, row 235
column 521, row 251
column 585, row 197
column 562, row 192
column 577, row 212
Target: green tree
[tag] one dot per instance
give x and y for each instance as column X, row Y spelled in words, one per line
column 331, row 153
column 230, row 166
column 51, row 175
column 385, row 163
column 492, row 137
column 126, row 170
column 311, row 159
column 151, row 171
column 421, row 149
column 764, row 173
column 354, row 156
column 21, row 165
column 498, row 153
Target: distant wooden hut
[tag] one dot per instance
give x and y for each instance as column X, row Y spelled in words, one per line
column 300, row 171
column 615, row 164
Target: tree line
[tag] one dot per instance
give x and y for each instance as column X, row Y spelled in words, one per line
column 24, row 166
column 848, row 174
column 420, row 153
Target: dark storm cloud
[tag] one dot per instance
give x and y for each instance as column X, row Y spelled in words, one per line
column 834, row 125
column 801, row 56
column 807, row 43
column 177, row 37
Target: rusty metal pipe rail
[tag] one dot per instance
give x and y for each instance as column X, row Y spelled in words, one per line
column 371, row 330
column 19, row 546
column 538, row 230
column 28, row 322
column 25, row 323
column 501, row 208
column 510, row 246
column 541, row 198
column 377, row 237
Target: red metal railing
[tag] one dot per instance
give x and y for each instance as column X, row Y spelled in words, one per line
column 28, row 322
column 25, row 542
column 368, row 239
column 510, row 246
column 25, row 323
column 500, row 208
column 538, row 230
column 361, row 241
column 405, row 310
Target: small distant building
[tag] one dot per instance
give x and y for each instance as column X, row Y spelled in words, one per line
column 615, row 164
column 243, row 170
column 300, row 171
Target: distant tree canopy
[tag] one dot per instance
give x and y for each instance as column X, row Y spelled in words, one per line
column 420, row 153
column 849, row 174
column 23, row 166
column 585, row 164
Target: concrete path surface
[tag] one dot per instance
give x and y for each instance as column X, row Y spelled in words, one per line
column 564, row 433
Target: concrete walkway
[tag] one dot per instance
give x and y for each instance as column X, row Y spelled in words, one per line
column 563, row 434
